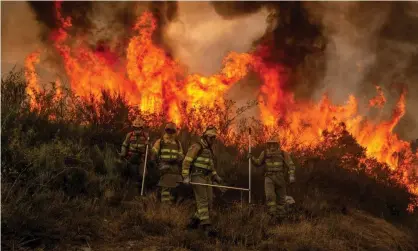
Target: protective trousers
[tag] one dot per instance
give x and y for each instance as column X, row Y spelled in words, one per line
column 275, row 190
column 167, row 195
column 135, row 169
column 169, row 179
column 203, row 196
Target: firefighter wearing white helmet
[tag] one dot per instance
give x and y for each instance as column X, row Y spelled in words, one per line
column 275, row 161
column 168, row 153
column 133, row 149
column 198, row 166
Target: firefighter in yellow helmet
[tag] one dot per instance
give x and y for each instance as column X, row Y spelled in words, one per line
column 275, row 161
column 133, row 149
column 168, row 153
column 198, row 166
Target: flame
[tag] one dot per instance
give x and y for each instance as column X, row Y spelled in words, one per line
column 148, row 66
column 31, row 77
column 157, row 84
column 378, row 101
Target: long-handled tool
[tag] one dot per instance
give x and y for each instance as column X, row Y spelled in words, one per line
column 249, row 166
column 219, row 186
column 145, row 167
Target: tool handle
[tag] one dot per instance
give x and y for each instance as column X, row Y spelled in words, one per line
column 145, row 168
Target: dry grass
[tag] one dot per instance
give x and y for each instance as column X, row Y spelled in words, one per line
column 62, row 188
column 248, row 228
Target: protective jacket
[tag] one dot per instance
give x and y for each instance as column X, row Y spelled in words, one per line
column 275, row 162
column 168, row 152
column 199, row 160
column 134, row 144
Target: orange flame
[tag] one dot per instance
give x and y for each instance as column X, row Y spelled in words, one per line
column 159, row 85
column 378, row 101
column 31, row 77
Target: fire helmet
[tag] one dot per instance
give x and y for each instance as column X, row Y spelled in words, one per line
column 210, row 131
column 138, row 122
column 272, row 141
column 170, row 126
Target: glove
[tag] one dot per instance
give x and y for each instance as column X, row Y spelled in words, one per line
column 223, row 190
column 186, row 180
column 291, row 179
column 217, row 179
column 151, row 164
column 180, row 158
column 173, row 161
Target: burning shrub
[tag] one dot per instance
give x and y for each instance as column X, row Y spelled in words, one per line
column 62, row 176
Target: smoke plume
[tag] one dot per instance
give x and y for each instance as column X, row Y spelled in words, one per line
column 340, row 48
column 343, row 48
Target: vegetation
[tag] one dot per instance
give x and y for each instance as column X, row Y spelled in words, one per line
column 63, row 188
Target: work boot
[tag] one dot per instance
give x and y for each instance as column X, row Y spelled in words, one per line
column 194, row 223
column 209, row 231
column 278, row 219
column 275, row 220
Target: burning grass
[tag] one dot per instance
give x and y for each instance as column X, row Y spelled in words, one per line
column 62, row 188
column 159, row 88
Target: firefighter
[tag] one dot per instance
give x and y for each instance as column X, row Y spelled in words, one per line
column 133, row 150
column 167, row 152
column 275, row 161
column 198, row 166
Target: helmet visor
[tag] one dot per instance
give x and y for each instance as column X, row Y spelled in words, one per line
column 170, row 131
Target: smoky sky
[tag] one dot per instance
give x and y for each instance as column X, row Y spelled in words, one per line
column 340, row 48
column 344, row 48
column 122, row 13
column 292, row 35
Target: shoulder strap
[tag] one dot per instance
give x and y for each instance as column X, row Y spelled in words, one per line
column 284, row 158
column 200, row 150
column 211, row 152
column 161, row 146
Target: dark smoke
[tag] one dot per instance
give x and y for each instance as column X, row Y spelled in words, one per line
column 345, row 48
column 230, row 10
column 79, row 12
column 396, row 63
column 292, row 38
column 121, row 18
column 164, row 12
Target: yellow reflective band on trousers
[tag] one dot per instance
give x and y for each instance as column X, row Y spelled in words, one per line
column 203, row 212
column 166, row 195
column 203, row 196
column 188, row 158
column 275, row 191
